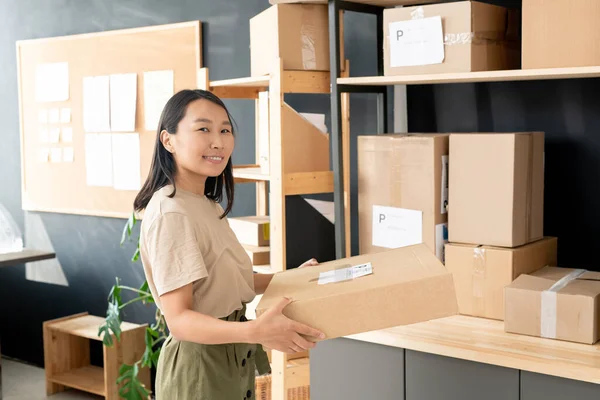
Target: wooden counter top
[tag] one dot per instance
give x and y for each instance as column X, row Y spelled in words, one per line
column 484, row 341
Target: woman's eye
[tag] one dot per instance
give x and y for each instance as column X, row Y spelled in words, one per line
column 203, row 129
column 225, row 131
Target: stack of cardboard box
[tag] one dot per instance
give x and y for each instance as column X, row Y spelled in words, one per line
column 253, row 234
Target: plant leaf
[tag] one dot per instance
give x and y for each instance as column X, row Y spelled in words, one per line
column 145, row 289
column 133, row 388
column 136, row 255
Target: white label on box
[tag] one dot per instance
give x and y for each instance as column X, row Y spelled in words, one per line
column 345, row 274
column 444, row 203
column 416, row 42
column 441, row 238
column 396, row 227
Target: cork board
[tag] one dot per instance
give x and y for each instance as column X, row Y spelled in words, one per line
column 62, row 184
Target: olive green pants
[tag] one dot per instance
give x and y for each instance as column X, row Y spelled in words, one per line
column 191, row 371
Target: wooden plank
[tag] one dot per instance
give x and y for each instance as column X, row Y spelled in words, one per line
column 306, row 82
column 86, row 326
column 89, row 379
column 482, row 340
column 257, row 82
column 309, row 183
column 482, row 76
column 249, row 173
column 297, row 374
column 345, row 105
column 235, row 92
column 24, row 256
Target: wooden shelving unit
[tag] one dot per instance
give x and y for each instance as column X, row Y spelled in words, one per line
column 297, row 164
column 67, row 355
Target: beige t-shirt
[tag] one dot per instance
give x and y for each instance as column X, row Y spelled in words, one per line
column 183, row 241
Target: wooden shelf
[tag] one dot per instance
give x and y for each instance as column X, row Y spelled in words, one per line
column 485, row 76
column 250, row 82
column 484, row 341
column 295, row 183
column 24, row 256
column 87, row 326
column 250, row 173
column 88, row 379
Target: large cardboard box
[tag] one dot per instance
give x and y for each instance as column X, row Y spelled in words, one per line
column 561, row 33
column 461, row 36
column 481, row 272
column 382, row 3
column 296, row 33
column 251, row 230
column 555, row 303
column 406, row 286
column 402, row 191
column 496, row 188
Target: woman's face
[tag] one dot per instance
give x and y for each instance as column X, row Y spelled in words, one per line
column 204, row 140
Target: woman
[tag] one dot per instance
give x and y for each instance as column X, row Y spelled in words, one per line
column 199, row 274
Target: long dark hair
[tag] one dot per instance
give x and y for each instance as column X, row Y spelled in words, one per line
column 162, row 169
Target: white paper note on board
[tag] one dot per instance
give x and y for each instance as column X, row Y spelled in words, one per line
column 56, row 154
column 126, row 161
column 158, row 89
column 65, row 115
column 96, row 104
column 52, row 82
column 67, row 134
column 98, row 159
column 43, row 135
column 416, row 42
column 54, row 135
column 123, row 97
column 68, row 155
column 53, row 116
column 396, row 227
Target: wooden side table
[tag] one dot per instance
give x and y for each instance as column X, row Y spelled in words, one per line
column 67, row 355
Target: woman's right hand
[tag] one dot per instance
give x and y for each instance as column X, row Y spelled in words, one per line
column 277, row 332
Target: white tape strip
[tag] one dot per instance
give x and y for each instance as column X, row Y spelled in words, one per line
column 549, row 300
column 417, row 13
column 345, row 274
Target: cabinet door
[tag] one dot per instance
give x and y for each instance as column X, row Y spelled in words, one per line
column 545, row 387
column 352, row 370
column 432, row 377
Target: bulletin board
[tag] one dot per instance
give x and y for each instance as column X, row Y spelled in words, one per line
column 73, row 159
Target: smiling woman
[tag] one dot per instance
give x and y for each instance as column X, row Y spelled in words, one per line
column 197, row 271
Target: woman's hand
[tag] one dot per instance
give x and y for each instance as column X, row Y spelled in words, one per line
column 310, row 263
column 275, row 331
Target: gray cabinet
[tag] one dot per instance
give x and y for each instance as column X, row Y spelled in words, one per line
column 544, row 387
column 433, row 377
column 353, row 370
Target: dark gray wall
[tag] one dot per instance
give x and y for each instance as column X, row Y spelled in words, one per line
column 88, row 247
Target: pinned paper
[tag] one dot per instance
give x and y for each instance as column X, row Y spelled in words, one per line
column 123, row 97
column 54, row 135
column 126, row 161
column 68, row 155
column 43, row 155
column 158, row 89
column 43, row 116
column 65, row 115
column 43, row 135
column 56, row 154
column 52, row 82
column 67, row 134
column 345, row 274
column 96, row 104
column 396, row 227
column 416, row 42
column 98, row 159
column 53, row 116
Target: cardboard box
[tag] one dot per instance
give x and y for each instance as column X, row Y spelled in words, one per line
column 496, row 188
column 481, row 273
column 251, row 230
column 258, row 255
column 555, row 303
column 406, row 286
column 560, row 33
column 461, row 36
column 296, row 33
column 382, row 3
column 402, row 191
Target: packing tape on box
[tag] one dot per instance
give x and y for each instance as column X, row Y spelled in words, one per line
column 549, row 301
column 308, row 38
column 478, row 280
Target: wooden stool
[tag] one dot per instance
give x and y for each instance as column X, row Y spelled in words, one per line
column 67, row 355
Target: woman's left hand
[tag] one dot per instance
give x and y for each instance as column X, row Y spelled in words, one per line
column 310, row 263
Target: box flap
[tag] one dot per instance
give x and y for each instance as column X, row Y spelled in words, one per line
column 586, row 284
column 392, row 267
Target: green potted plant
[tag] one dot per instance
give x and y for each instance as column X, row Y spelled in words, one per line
column 132, row 388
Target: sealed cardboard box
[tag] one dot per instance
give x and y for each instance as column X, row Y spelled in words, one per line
column 555, row 303
column 364, row 293
column 402, row 191
column 259, row 255
column 496, row 188
column 296, row 33
column 560, row 33
column 382, row 3
column 481, row 272
column 252, row 230
column 462, row 36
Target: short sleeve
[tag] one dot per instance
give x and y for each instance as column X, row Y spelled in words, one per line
column 173, row 252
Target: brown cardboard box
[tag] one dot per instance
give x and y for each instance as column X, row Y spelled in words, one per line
column 252, row 230
column 381, row 3
column 561, row 33
column 259, row 255
column 496, row 188
column 461, row 36
column 481, row 273
column 407, row 285
column 556, row 303
column 402, row 191
column 296, row 33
